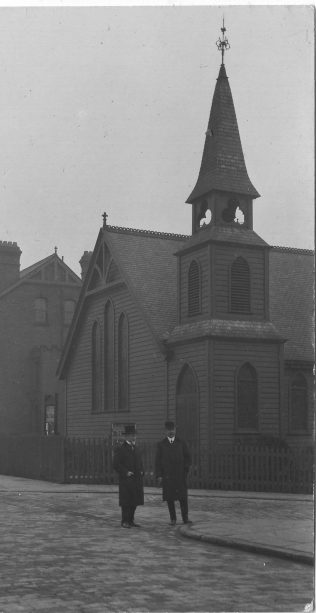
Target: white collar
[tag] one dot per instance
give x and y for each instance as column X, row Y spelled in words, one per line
column 171, row 439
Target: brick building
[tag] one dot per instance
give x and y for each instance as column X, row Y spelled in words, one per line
column 213, row 329
column 36, row 308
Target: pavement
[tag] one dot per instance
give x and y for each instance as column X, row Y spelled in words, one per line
column 276, row 534
column 63, row 551
column 283, row 525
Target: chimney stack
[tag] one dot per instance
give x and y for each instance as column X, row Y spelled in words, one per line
column 9, row 263
column 84, row 263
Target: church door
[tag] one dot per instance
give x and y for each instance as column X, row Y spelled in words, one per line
column 187, row 406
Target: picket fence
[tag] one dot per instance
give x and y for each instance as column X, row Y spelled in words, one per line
column 239, row 467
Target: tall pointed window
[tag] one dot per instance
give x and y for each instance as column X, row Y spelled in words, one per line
column 298, row 404
column 109, row 357
column 240, row 286
column 194, row 289
column 247, row 398
column 96, row 369
column 123, row 363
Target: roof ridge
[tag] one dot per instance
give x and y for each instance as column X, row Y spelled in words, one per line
column 149, row 233
column 31, row 267
column 293, row 250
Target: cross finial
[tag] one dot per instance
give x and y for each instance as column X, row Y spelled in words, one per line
column 55, row 249
column 222, row 43
column 105, row 215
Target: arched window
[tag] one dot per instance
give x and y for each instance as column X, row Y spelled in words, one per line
column 187, row 405
column 240, row 286
column 298, row 404
column 247, row 398
column 40, row 311
column 69, row 307
column 108, row 357
column 96, row 369
column 194, row 289
column 123, row 363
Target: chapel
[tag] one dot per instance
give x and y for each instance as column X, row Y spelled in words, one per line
column 212, row 330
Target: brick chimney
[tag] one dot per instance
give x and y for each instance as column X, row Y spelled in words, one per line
column 84, row 263
column 9, row 263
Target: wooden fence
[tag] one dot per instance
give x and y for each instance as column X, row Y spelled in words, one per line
column 241, row 467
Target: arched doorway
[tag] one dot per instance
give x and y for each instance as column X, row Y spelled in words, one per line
column 187, row 406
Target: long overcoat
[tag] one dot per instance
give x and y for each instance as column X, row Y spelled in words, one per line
column 172, row 463
column 131, row 490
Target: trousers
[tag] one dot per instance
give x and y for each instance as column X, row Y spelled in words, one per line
column 183, row 506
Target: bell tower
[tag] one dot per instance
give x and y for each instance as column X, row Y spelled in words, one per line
column 223, row 267
column 223, row 193
column 224, row 333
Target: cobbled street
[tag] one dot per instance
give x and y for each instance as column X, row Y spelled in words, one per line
column 64, row 550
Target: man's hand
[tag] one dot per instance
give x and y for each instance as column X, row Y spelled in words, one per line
column 129, row 473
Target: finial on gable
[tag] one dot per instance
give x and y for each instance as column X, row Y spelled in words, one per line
column 222, row 43
column 105, row 215
column 56, row 249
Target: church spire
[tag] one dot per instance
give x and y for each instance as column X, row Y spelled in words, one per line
column 223, row 166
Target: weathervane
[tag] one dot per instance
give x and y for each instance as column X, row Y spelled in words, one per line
column 223, row 44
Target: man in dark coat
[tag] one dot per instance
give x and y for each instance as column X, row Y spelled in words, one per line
column 172, row 465
column 128, row 464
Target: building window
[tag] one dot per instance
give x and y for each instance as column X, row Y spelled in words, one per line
column 40, row 311
column 123, row 363
column 96, row 369
column 247, row 398
column 194, row 289
column 108, row 357
column 50, row 417
column 298, row 404
column 69, row 308
column 240, row 286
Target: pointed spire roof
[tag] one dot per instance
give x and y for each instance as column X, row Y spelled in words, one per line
column 223, row 166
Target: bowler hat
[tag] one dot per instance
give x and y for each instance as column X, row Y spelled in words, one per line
column 169, row 425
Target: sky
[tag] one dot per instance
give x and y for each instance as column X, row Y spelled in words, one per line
column 105, row 108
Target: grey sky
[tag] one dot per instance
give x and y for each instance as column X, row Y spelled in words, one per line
column 105, row 109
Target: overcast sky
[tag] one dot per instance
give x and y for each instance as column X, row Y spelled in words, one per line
column 105, row 109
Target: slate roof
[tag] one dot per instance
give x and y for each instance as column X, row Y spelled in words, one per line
column 292, row 295
column 148, row 264
column 227, row 233
column 261, row 330
column 223, row 166
column 148, row 260
column 30, row 270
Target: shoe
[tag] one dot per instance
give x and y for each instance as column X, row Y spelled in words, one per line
column 124, row 524
column 133, row 525
column 173, row 522
column 187, row 521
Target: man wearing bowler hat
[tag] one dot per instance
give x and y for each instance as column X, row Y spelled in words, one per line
column 172, row 465
column 128, row 464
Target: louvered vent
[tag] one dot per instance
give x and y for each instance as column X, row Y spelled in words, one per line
column 240, row 287
column 194, row 293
